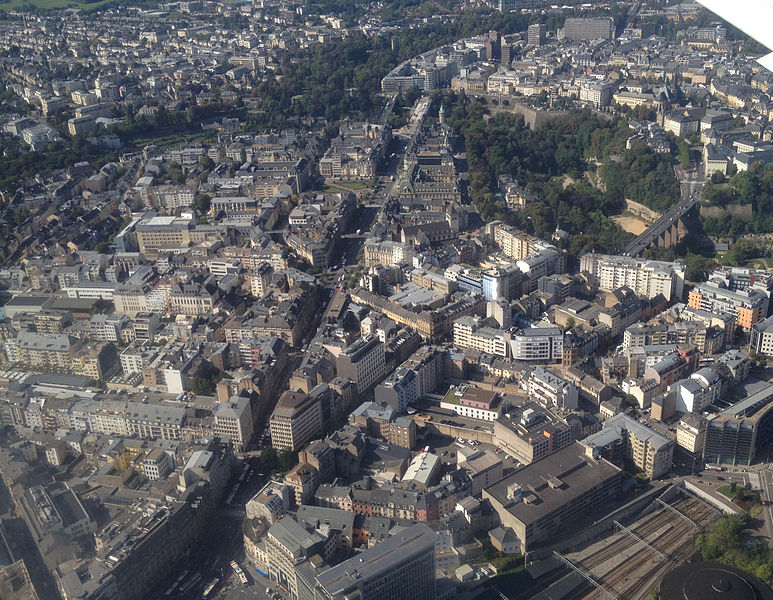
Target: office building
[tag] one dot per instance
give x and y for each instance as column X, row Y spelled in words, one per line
column 537, row 343
column 468, row 333
column 296, row 420
column 157, row 464
column 234, row 418
column 474, row 403
column 548, row 499
column 536, row 34
column 400, row 568
column 690, row 434
column 154, row 420
column 501, row 283
column 364, row 362
column 734, row 435
column 160, row 233
column 579, row 29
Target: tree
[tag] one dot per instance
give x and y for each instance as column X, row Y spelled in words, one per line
column 202, row 202
column 202, row 387
column 287, row 459
column 269, row 459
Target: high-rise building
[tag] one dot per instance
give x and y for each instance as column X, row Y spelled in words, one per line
column 501, row 282
column 234, row 418
column 579, row 29
column 399, row 568
column 296, row 420
column 364, row 362
column 536, row 34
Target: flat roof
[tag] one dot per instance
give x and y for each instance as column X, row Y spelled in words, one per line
column 381, row 558
column 576, row 473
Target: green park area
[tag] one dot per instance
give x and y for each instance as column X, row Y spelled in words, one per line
column 50, row 4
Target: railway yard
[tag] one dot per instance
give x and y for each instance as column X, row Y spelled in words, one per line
column 629, row 562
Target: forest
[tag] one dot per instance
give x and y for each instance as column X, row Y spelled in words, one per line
column 350, row 83
column 578, row 167
column 754, row 187
column 725, row 542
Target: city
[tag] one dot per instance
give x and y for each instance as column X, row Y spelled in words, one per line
column 384, row 300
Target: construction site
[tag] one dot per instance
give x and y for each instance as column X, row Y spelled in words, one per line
column 629, row 560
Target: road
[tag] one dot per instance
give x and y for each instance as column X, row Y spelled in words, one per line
column 690, row 194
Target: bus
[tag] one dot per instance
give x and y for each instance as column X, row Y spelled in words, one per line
column 239, row 573
column 710, row 467
column 209, row 588
column 193, row 581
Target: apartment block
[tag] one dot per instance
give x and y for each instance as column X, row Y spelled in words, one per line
column 549, row 389
column 645, row 277
column 748, row 306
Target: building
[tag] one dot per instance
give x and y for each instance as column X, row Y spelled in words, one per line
column 162, row 233
column 468, row 333
column 734, row 435
column 650, row 451
column 531, row 432
column 748, row 306
column 647, row 278
column 364, row 362
column 547, row 500
column 597, row 93
column 234, row 418
column 473, row 403
column 400, row 390
column 157, row 464
column 549, row 389
column 296, row 420
column 270, row 504
column 762, row 337
column 536, row 34
column 544, row 344
column 154, row 420
column 690, row 434
column 579, row 29
column 400, row 568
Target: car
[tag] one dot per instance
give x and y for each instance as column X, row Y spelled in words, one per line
column 507, row 456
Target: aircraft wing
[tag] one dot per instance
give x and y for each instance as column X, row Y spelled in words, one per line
column 753, row 17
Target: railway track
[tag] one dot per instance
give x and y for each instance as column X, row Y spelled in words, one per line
column 627, row 568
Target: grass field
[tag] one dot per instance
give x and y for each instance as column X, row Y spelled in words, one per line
column 171, row 140
column 355, row 185
column 331, row 189
column 725, row 491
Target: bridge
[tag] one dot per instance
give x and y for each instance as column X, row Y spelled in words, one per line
column 669, row 229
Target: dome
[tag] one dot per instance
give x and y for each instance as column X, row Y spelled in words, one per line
column 712, row 581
